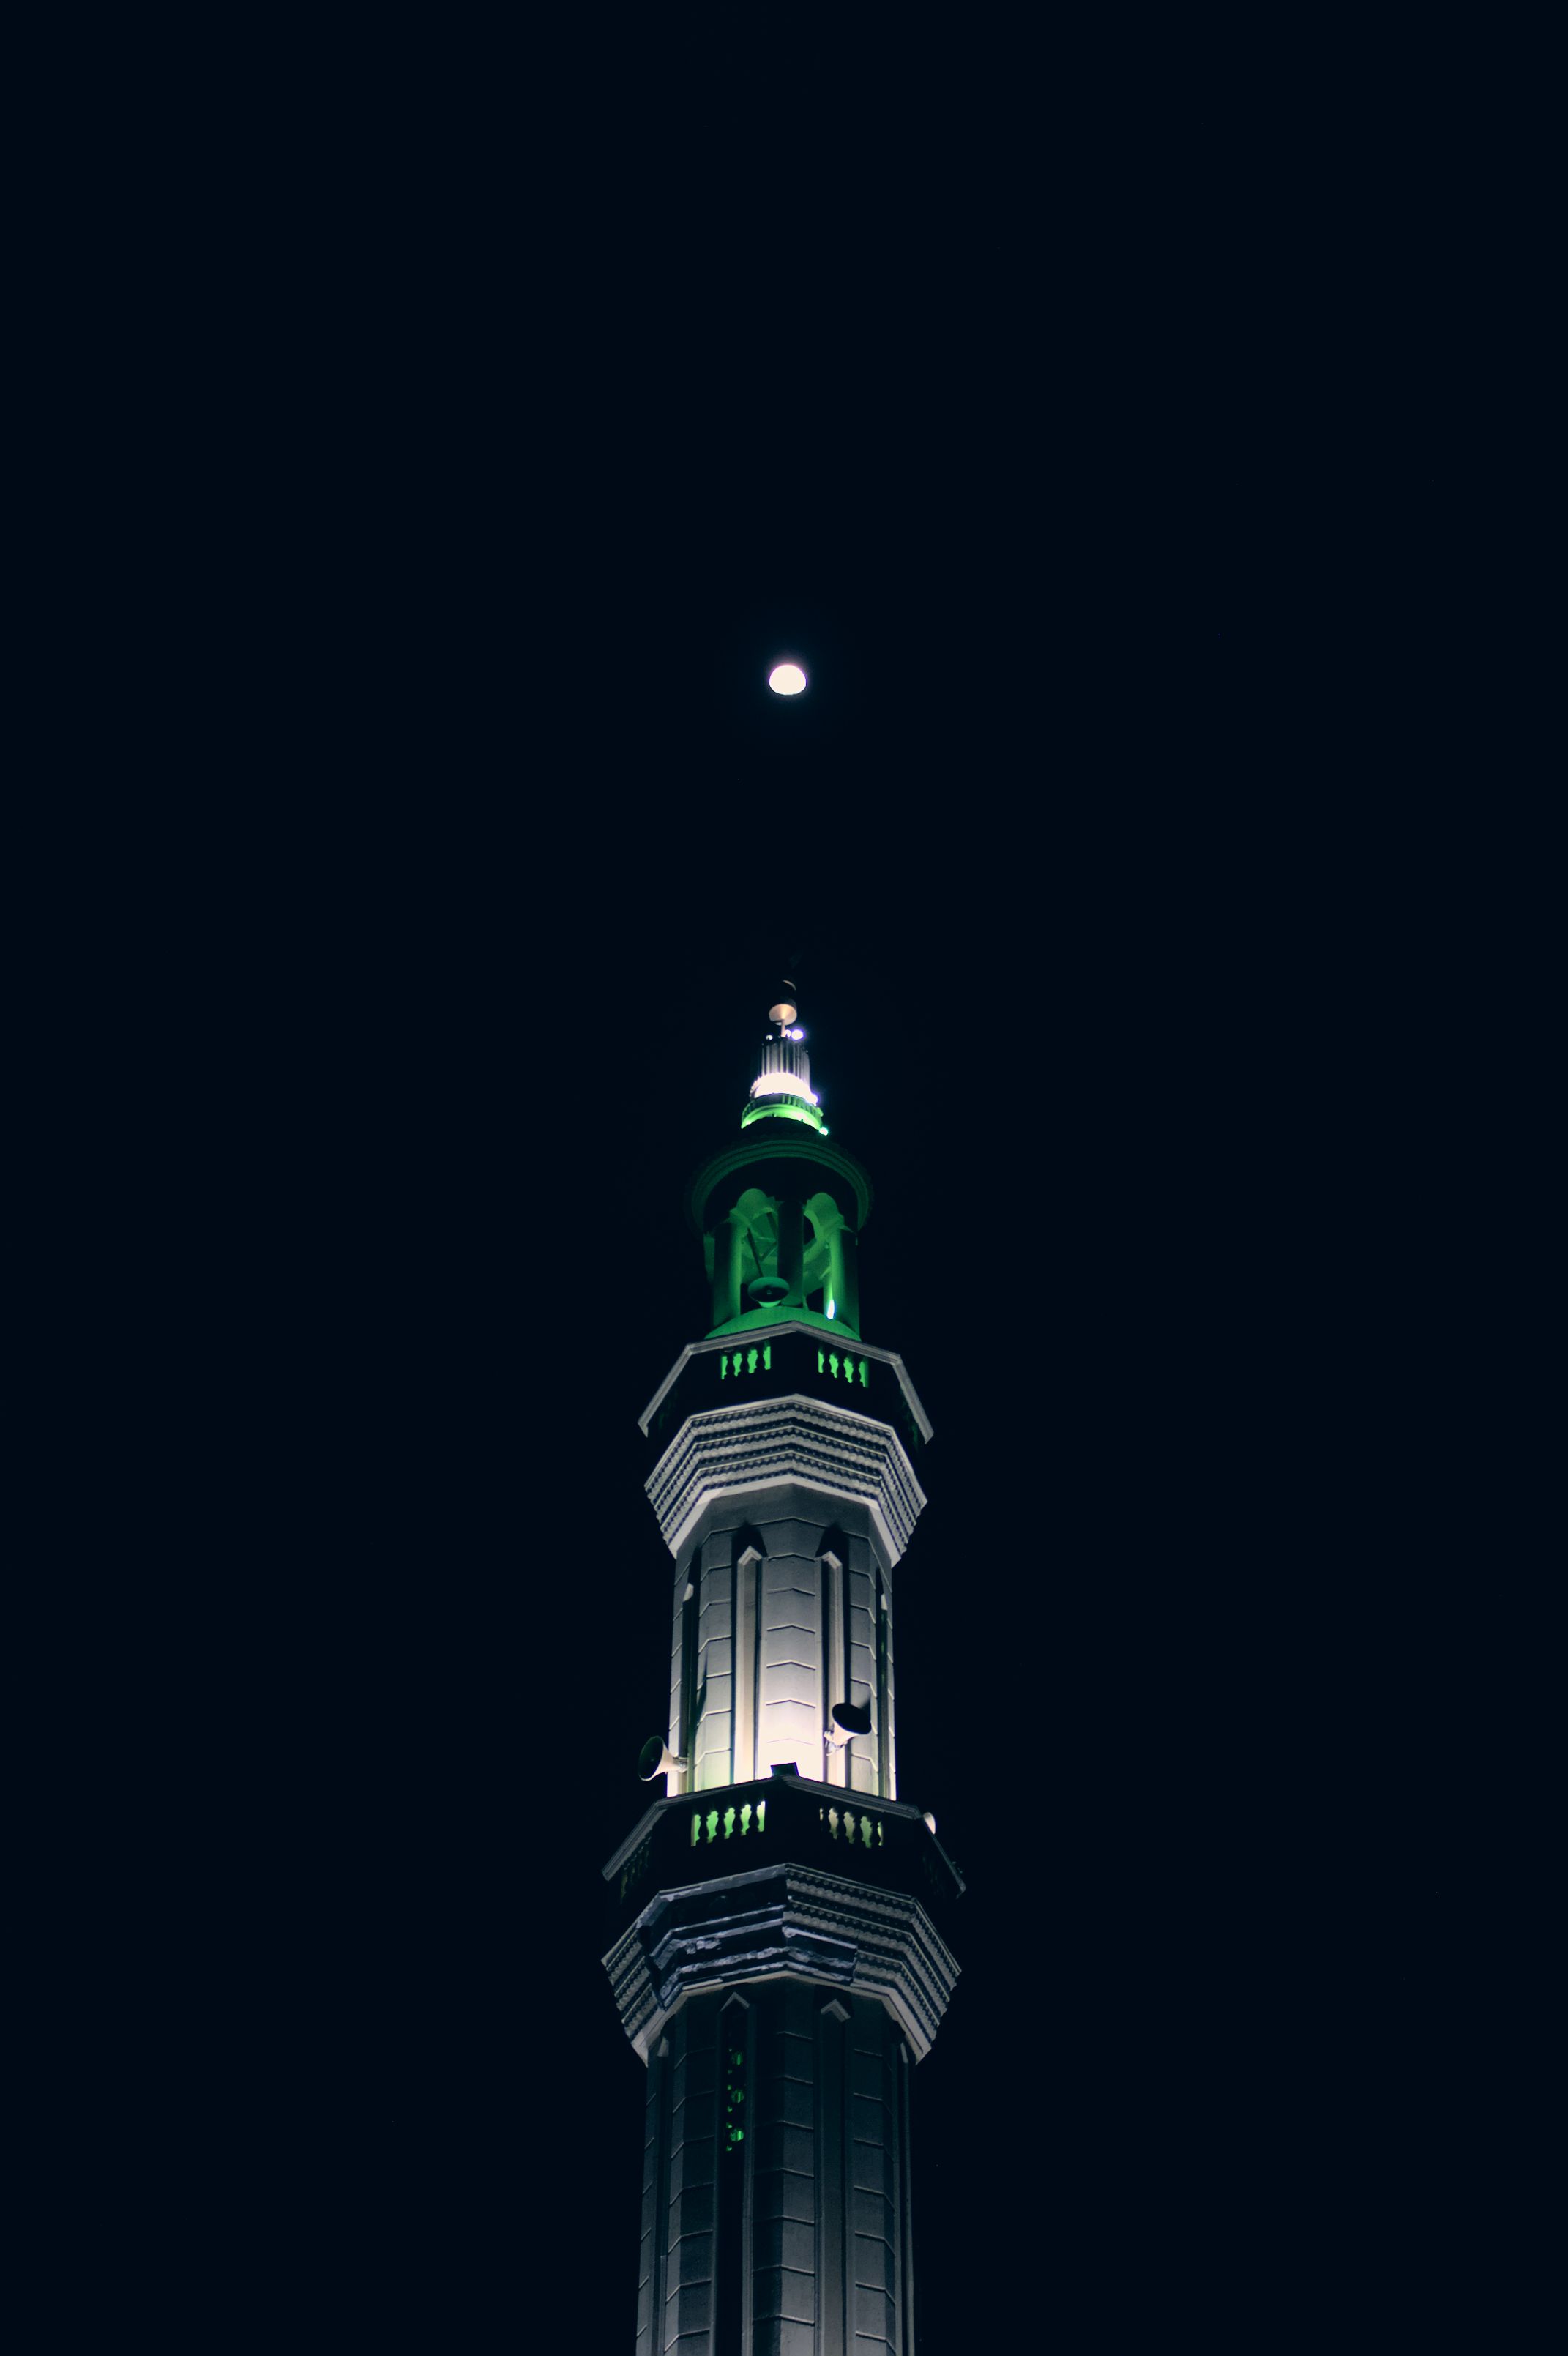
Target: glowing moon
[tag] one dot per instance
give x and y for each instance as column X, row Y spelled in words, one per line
column 786, row 679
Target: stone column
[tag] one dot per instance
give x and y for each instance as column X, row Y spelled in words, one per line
column 844, row 1276
column 792, row 1251
column 729, row 1245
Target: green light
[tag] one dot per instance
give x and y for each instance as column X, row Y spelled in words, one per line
column 782, row 1312
column 775, row 1109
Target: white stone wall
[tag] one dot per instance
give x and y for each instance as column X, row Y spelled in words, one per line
column 765, row 1686
column 790, row 1720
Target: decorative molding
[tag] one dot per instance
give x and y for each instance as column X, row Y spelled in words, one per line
column 813, row 1149
column 734, row 1451
column 785, row 1918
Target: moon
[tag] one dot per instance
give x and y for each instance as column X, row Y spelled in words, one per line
column 786, row 679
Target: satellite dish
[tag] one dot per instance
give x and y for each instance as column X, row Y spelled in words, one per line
column 656, row 1758
column 784, row 1013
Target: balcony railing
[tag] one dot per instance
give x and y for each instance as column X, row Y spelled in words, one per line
column 818, row 1363
column 784, row 1819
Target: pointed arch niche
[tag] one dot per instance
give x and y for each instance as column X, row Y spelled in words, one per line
column 832, row 1556
column 749, row 1557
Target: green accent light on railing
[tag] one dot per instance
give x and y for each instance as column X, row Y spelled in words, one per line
column 848, row 1826
column 712, row 1822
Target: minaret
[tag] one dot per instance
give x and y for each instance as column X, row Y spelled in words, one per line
column 781, row 1966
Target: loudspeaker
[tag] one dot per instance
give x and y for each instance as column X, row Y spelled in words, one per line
column 656, row 1759
column 848, row 1721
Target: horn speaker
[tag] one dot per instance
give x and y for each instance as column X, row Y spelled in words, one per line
column 848, row 1721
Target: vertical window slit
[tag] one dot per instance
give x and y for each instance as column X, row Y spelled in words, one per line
column 734, row 2138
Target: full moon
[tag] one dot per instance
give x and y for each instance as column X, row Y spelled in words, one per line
column 786, row 679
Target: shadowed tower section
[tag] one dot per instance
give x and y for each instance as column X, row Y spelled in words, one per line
column 780, row 1963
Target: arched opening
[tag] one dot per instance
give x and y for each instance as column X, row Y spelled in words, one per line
column 831, row 1278
column 781, row 1252
column 884, row 1685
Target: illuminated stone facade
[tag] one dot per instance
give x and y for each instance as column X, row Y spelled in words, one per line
column 779, row 1962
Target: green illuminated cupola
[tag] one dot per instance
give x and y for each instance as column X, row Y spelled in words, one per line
column 780, row 1214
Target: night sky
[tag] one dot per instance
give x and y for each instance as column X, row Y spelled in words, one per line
column 1036, row 848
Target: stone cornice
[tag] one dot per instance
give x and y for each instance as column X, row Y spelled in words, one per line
column 784, row 1919
column 729, row 1450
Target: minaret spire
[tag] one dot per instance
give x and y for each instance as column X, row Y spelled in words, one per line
column 782, row 1089
column 780, row 1963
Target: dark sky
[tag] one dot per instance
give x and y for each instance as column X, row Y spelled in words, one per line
column 1027, row 848
column 1039, row 848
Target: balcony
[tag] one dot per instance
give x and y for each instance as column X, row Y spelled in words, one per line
column 779, row 1361
column 781, row 1819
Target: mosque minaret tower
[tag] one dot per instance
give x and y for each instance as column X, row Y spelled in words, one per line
column 782, row 1964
